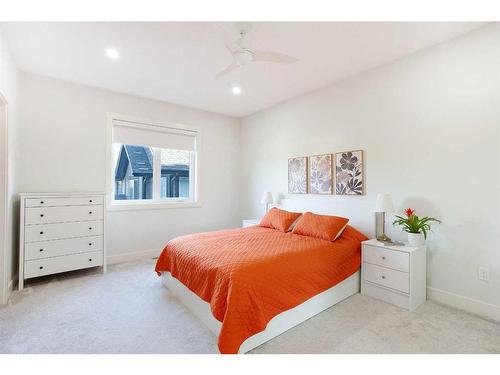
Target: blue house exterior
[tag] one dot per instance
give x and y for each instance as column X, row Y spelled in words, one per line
column 134, row 175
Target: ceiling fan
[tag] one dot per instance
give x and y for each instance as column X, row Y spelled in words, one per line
column 243, row 54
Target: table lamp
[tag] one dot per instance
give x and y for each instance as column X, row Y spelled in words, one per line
column 383, row 205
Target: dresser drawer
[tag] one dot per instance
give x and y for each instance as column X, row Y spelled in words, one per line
column 44, row 232
column 64, row 201
column 45, row 215
column 387, row 258
column 41, row 267
column 386, row 277
column 47, row 249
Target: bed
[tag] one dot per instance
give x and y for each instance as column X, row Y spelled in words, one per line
column 251, row 284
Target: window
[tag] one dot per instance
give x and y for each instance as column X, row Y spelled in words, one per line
column 175, row 166
column 133, row 171
column 152, row 164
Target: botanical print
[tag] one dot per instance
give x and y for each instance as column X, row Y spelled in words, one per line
column 297, row 175
column 349, row 173
column 320, row 174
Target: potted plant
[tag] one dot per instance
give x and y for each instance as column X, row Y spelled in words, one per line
column 416, row 227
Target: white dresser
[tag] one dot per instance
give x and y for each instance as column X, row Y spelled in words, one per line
column 60, row 232
column 394, row 274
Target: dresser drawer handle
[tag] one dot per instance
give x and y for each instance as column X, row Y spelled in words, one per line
column 90, row 259
column 90, row 243
column 41, row 250
column 42, row 202
column 90, row 212
column 383, row 277
column 41, row 215
column 90, row 200
column 90, row 228
column 41, row 232
column 41, row 267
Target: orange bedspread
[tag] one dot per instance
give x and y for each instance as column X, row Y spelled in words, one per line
column 250, row 275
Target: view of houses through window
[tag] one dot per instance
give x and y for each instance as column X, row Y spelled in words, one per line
column 175, row 173
column 134, row 167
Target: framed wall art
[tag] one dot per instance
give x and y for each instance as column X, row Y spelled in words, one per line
column 297, row 175
column 320, row 174
column 349, row 173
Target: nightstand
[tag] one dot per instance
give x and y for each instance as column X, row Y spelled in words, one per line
column 394, row 274
column 249, row 222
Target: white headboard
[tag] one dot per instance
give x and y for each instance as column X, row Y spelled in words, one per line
column 358, row 209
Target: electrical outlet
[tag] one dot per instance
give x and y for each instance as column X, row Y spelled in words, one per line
column 483, row 274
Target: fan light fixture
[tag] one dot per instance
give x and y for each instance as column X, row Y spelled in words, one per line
column 243, row 54
column 243, row 57
column 236, row 90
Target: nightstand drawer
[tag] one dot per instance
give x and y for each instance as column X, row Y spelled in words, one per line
column 386, row 277
column 387, row 258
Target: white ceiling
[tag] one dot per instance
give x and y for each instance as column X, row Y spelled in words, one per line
column 177, row 61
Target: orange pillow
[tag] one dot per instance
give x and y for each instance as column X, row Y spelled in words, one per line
column 279, row 219
column 321, row 226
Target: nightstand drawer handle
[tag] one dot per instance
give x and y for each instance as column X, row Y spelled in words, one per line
column 41, row 232
column 90, row 212
column 90, row 259
column 41, row 250
column 41, row 267
column 90, row 243
column 41, row 202
column 41, row 215
column 383, row 277
column 90, row 228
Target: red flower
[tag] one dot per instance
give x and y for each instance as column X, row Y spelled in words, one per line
column 409, row 212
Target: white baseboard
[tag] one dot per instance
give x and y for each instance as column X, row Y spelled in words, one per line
column 10, row 287
column 470, row 305
column 136, row 255
column 8, row 292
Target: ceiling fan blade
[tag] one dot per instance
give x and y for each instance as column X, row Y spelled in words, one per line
column 275, row 57
column 227, row 70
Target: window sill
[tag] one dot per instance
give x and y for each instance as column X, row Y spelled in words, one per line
column 131, row 205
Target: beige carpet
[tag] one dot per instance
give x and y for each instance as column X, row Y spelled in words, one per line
column 128, row 311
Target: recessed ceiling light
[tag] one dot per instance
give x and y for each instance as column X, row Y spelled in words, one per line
column 112, row 53
column 236, row 90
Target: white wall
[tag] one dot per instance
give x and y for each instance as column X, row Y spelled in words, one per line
column 63, row 132
column 9, row 92
column 429, row 125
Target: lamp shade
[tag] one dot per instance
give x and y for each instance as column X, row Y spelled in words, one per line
column 384, row 203
column 267, row 198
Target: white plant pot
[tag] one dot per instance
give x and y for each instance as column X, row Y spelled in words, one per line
column 416, row 239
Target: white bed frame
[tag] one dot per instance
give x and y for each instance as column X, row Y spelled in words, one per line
column 280, row 323
column 290, row 318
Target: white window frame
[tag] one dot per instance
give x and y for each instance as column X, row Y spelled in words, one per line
column 157, row 201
